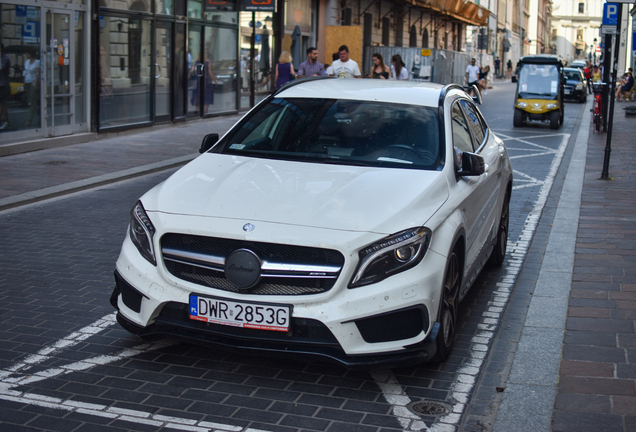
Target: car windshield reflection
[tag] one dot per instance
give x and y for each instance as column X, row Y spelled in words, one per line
column 341, row 132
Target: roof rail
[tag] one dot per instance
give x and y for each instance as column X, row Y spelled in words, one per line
column 449, row 87
column 295, row 82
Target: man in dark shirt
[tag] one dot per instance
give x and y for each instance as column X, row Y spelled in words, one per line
column 5, row 88
column 311, row 66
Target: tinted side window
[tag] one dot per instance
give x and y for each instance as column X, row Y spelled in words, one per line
column 461, row 136
column 474, row 123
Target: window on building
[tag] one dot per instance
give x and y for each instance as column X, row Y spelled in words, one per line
column 554, row 34
column 346, row 17
column 581, row 7
column 386, row 29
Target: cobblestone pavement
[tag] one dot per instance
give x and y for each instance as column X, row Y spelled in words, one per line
column 64, row 364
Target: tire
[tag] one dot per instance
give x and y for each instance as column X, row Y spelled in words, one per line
column 448, row 306
column 583, row 99
column 499, row 252
column 518, row 118
column 554, row 119
column 597, row 123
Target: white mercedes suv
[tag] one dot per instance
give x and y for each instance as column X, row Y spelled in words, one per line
column 343, row 219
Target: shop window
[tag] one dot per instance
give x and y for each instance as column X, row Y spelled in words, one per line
column 164, row 7
column 222, row 17
column 124, row 71
column 220, row 56
column 129, row 5
column 194, row 8
column 21, row 48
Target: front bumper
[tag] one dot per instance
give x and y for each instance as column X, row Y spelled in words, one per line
column 344, row 324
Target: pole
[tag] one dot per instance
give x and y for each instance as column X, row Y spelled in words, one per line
column 607, row 64
column 253, row 61
column 610, row 120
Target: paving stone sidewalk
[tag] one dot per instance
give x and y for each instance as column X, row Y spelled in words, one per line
column 597, row 382
column 36, row 175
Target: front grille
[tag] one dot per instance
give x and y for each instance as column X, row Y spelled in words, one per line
column 392, row 326
column 287, row 269
column 300, row 329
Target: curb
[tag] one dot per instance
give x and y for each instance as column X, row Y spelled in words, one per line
column 92, row 182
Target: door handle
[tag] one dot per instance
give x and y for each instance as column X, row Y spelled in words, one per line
column 158, row 73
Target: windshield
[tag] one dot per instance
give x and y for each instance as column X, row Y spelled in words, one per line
column 339, row 131
column 538, row 80
column 572, row 75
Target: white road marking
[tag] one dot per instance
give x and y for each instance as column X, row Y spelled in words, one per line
column 67, row 342
column 394, row 393
column 16, row 376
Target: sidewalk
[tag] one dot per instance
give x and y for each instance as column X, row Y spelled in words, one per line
column 597, row 383
column 35, row 176
column 594, row 375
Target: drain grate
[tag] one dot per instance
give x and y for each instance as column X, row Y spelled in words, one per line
column 429, row 408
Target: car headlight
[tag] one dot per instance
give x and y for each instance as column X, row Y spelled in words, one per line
column 522, row 104
column 579, row 86
column 142, row 232
column 551, row 105
column 391, row 255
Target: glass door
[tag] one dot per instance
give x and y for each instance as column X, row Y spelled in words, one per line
column 195, row 73
column 60, row 62
column 162, row 64
column 181, row 69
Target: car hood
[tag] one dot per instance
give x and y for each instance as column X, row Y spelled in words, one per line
column 382, row 200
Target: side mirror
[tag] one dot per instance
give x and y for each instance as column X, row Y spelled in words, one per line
column 208, row 142
column 514, row 78
column 472, row 165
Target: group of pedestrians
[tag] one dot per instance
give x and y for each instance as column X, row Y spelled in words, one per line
column 342, row 67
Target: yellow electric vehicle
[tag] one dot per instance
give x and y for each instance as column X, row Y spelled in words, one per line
column 539, row 95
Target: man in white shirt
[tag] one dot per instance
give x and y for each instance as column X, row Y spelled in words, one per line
column 345, row 67
column 472, row 73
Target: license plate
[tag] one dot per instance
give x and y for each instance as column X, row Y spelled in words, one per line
column 567, row 91
column 239, row 314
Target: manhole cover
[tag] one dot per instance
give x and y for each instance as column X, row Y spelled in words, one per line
column 428, row 408
column 54, row 162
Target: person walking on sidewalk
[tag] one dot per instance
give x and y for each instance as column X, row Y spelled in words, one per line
column 472, row 74
column 284, row 70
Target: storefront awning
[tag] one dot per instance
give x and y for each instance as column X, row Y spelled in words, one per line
column 462, row 10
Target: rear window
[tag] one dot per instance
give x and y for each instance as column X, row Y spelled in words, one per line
column 339, row 131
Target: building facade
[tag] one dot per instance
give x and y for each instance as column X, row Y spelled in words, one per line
column 104, row 65
column 575, row 29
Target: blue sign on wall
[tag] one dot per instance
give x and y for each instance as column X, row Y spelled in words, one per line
column 610, row 14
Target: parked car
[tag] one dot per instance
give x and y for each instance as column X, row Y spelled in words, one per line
column 343, row 219
column 579, row 64
column 575, row 85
